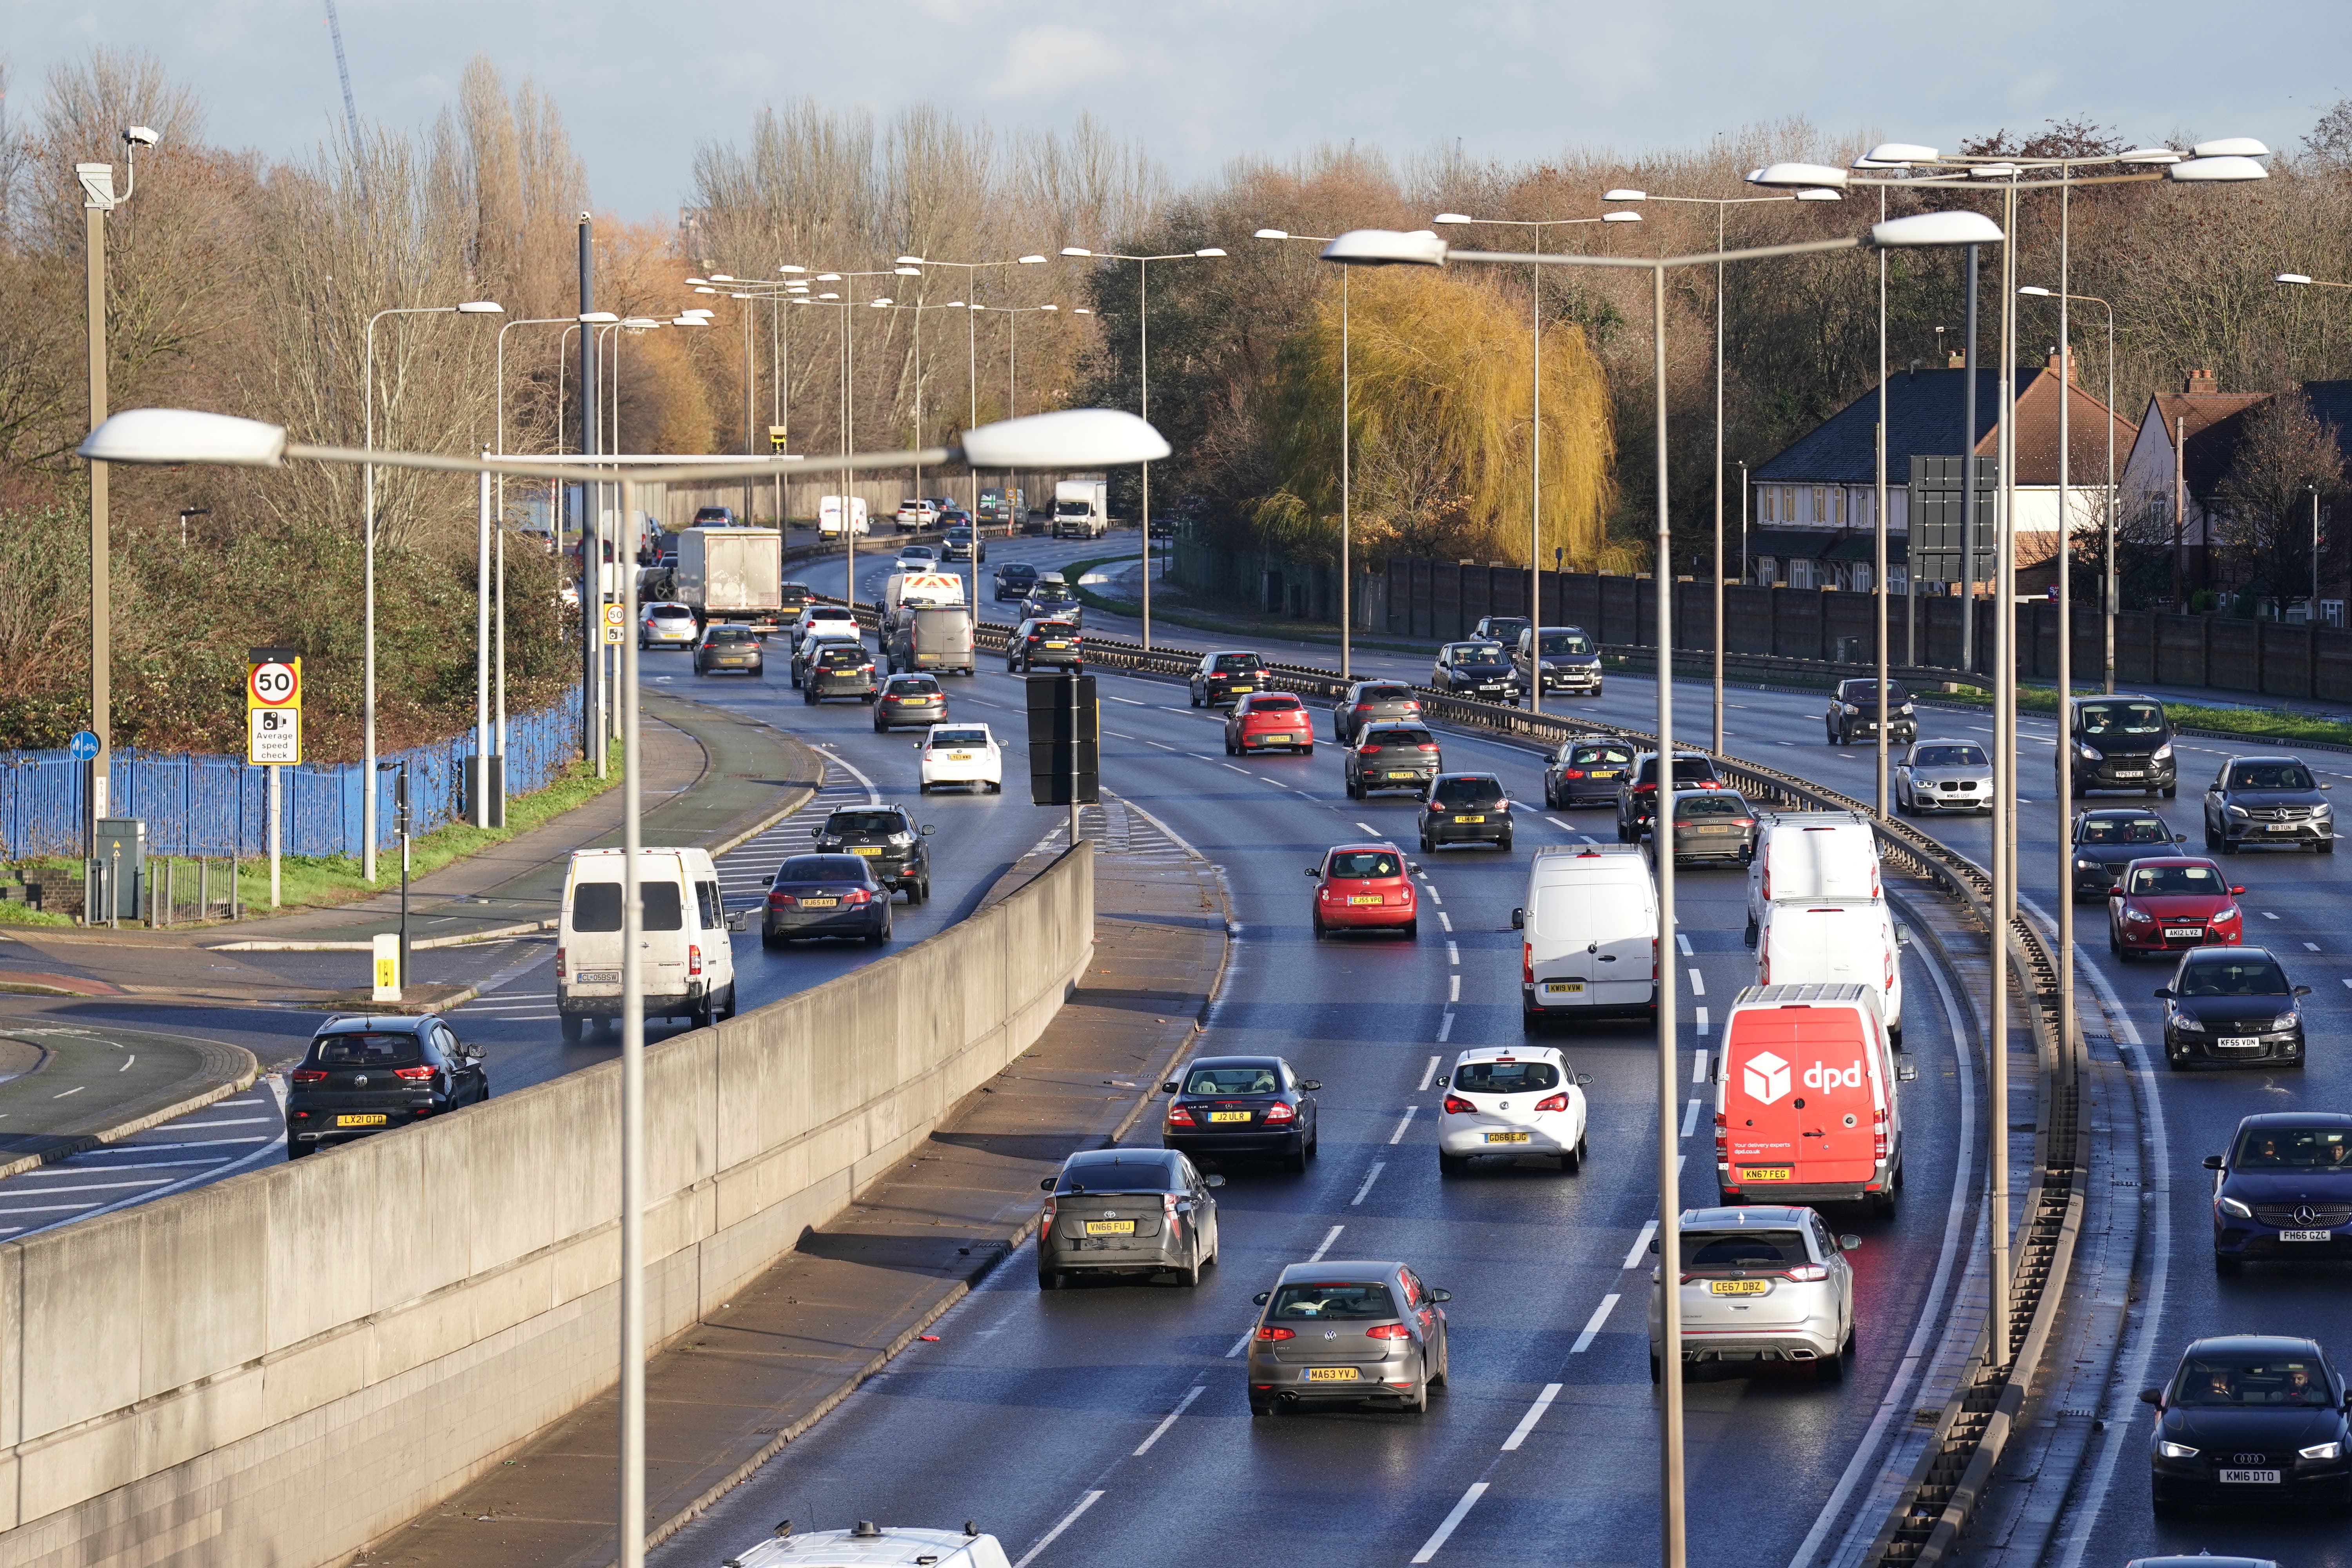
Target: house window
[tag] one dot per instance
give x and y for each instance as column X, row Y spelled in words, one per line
column 1861, row 577
column 1837, row 506
column 1766, row 508
column 1766, row 571
column 1800, row 572
column 1821, row 505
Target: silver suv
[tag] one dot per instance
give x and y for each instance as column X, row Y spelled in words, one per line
column 1761, row 1284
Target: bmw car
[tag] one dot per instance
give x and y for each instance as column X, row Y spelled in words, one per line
column 2252, row 1419
column 2284, row 1190
column 1943, row 775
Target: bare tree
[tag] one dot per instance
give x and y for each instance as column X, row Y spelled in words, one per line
column 2287, row 464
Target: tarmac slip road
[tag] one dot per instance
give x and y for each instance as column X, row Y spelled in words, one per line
column 1108, row 1422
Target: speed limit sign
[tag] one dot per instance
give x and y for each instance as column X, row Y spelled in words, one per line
column 274, row 683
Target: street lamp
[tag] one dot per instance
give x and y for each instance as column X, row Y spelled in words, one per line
column 1347, row 416
column 2107, row 595
column 173, row 436
column 1143, row 367
column 1013, row 314
column 1535, row 445
column 972, row 354
column 1377, row 247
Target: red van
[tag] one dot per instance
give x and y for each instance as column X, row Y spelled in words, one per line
column 1806, row 1110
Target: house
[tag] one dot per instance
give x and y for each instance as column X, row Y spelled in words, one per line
column 1813, row 506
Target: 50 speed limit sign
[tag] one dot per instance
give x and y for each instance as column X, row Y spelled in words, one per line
column 273, row 708
column 274, row 684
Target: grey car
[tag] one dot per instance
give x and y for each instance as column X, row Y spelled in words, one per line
column 1943, row 775
column 1347, row 1332
column 1393, row 756
column 2267, row 800
column 1761, row 1283
column 1567, row 659
column 1372, row 702
column 1714, row 824
column 1126, row 1211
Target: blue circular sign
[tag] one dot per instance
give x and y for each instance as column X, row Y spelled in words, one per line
column 84, row 746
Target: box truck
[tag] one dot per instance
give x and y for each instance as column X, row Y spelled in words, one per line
column 1081, row 509
column 731, row 574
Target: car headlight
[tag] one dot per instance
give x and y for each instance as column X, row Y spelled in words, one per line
column 2083, row 864
column 2136, row 917
column 1849, row 708
column 2232, row 1206
column 2285, row 1021
column 2186, row 1025
column 1544, row 664
column 2089, row 753
column 2237, row 811
column 2172, row 1450
column 2321, row 1451
column 2226, row 912
column 2162, row 754
column 2322, row 810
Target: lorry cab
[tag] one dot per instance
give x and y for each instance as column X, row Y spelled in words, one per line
column 1591, row 943
column 1806, row 1103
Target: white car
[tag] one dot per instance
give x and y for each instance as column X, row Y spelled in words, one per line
column 667, row 626
column 1511, row 1100
column 917, row 558
column 918, row 514
column 1761, row 1283
column 961, row 753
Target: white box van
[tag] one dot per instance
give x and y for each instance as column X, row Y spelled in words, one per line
column 689, row 963
column 1806, row 1105
column 1849, row 942
column 1591, row 942
column 1812, row 855
column 869, row 1545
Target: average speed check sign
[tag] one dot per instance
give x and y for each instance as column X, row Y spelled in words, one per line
column 273, row 713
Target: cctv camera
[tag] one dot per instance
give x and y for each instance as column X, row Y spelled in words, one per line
column 140, row 136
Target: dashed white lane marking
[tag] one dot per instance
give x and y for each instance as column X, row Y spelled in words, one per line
column 1378, row 1166
column 1641, row 1243
column 75, row 1089
column 2268, row 916
column 1402, row 1123
column 1244, row 772
column 1436, row 898
column 1683, row 943
column 1556, row 822
column 1454, row 993
column 1535, row 1413
column 1068, row 1520
column 1446, row 1028
column 1430, row 1072
column 2311, row 947
column 1118, row 735
column 1690, row 1118
column 1240, row 1344
column 1438, row 1537
column 1587, row 839
column 1446, row 921
column 1328, row 1237
column 1698, row 1019
column 1453, row 952
column 1130, row 701
column 1593, row 1325
column 1698, row 1067
column 1368, row 827
column 1698, row 984
column 1157, row 744
column 127, row 1061
column 1159, row 1431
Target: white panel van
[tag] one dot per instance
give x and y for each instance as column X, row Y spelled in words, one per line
column 689, row 963
column 1811, row 854
column 1590, row 921
column 1849, row 942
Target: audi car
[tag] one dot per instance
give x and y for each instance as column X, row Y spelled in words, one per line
column 2232, row 1005
column 1127, row 1212
column 825, row 895
column 1352, row 1332
column 1221, row 1106
column 1361, row 885
column 2268, row 800
column 1264, row 720
column 2252, row 1419
column 2172, row 903
column 1586, row 773
column 2284, row 1190
column 1391, row 757
column 365, row 1074
column 2109, row 838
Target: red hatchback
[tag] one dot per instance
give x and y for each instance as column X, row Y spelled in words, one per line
column 1365, row 886
column 2167, row 903
column 1264, row 720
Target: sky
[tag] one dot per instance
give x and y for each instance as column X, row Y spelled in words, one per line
column 1200, row 82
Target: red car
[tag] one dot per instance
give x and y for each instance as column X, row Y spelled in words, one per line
column 1265, row 718
column 1365, row 887
column 2166, row 903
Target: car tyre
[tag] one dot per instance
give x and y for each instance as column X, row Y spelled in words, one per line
column 1321, row 930
column 1530, row 1021
column 1049, row 1279
column 1833, row 1368
column 770, row 939
column 1411, row 928
column 2325, row 846
column 2115, row 943
column 1657, row 1373
column 876, row 939
column 1573, row 1159
column 1419, row 1402
column 1504, row 843
column 2161, row 1502
column 1452, row 1164
column 1308, row 750
column 574, row 1028
column 1228, row 747
column 1296, row 1159
column 1261, row 1407
column 294, row 1151
column 2224, row 1265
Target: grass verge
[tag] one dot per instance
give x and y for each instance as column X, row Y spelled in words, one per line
column 1228, row 625
column 2256, row 723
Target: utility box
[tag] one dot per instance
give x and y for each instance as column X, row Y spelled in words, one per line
column 118, row 869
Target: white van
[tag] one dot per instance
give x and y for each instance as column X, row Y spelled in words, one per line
column 1811, row 854
column 1591, row 942
column 869, row 1545
column 1806, row 1107
column 689, row 963
column 828, row 516
column 1847, row 941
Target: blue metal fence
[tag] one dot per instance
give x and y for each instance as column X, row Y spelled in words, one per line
column 217, row 806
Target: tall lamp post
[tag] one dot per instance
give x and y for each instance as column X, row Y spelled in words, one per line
column 1143, row 369
column 171, row 435
column 1346, row 439
column 1535, row 443
column 1374, row 246
column 2294, row 279
column 973, row 271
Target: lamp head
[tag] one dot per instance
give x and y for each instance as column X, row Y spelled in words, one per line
column 481, row 308
column 1993, row 172
column 1082, row 310
column 789, row 267
column 1798, row 174
column 1888, row 154
column 1210, row 251
column 1049, row 306
column 1624, row 194
column 882, row 304
column 1032, row 261
column 597, row 318
column 1071, row 439
column 705, row 289
column 2035, row 290
column 1817, row 193
column 2148, row 155
column 185, row 436
column 2226, row 147
column 828, row 276
column 1386, row 248
column 1620, row 218
column 2222, row 169
column 1928, row 230
column 905, row 272
column 1271, row 233
column 722, row 278
column 1075, row 250
column 910, row 261
column 1454, row 217
column 2291, row 277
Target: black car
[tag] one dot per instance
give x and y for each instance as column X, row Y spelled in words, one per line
column 2254, row 1419
column 1051, row 599
column 2284, row 1190
column 1586, row 773
column 2232, row 1005
column 792, row 599
column 959, row 546
column 825, row 895
column 1475, row 669
column 1568, row 659
column 1372, row 702
column 1853, row 712
column 1466, row 808
column 2267, row 800
column 1126, row 1211
column 2122, row 742
column 1393, row 756
column 1241, row 1105
column 887, row 839
column 2110, row 837
column 1044, row 644
column 913, row 700
column 1013, row 580
column 1637, row 791
column 1163, row 528
column 839, row 669
column 366, row 1073
column 732, row 649
column 1714, row 824
column 1223, row 675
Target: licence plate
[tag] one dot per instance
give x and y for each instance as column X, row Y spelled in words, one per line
column 1738, row 1286
column 1563, row 987
column 2286, row 826
column 866, row 849
column 2238, row 1042
column 1363, row 898
column 1507, row 1137
column 1715, row 830
column 375, row 1120
column 1347, row 1374
column 1058, row 644
column 598, row 977
column 2129, row 773
column 1480, row 819
column 2305, row 1235
column 2249, row 1478
column 819, row 903
column 1254, row 688
column 1111, row 1227
column 1601, row 773
column 2184, row 931
column 1764, row 1173
column 730, row 659
column 1401, row 774
column 958, row 756
column 1229, row 1116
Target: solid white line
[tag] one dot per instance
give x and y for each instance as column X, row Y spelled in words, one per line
column 1328, row 1237
column 1690, row 1118
column 1698, row 1019
column 152, row 1148
column 1378, row 1166
column 1698, row 1067
column 1068, row 1520
column 1130, row 701
column 135, row 1056
column 95, row 1187
column 1592, row 1324
column 1683, row 943
column 51, row 1208
column 1445, row 1029
column 1144, row 1447
column 1698, row 984
column 873, row 795
column 1402, row 1123
column 1535, row 1413
column 1429, row 1073
column 1446, row 921
column 1437, row 1539
column 1453, row 952
column 1641, row 1243
column 1455, row 994
column 231, row 1121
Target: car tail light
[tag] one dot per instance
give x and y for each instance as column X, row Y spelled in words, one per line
column 1743, row 822
column 1457, row 1106
column 1572, row 773
column 1653, row 957
column 1764, row 959
column 1363, row 707
column 1878, row 1136
column 857, row 896
column 1268, row 1331
column 1279, row 1111
column 1388, row 1332
column 309, row 1075
column 1806, row 1272
column 1168, row 1207
column 694, row 958
column 1527, row 962
column 1555, row 1103
column 1370, row 752
column 413, row 1075
column 1429, row 746
column 561, row 972
column 1179, row 1117
column 1046, row 1218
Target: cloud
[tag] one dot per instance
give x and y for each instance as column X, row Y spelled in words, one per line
column 1076, row 63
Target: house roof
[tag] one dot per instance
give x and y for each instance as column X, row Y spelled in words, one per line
column 2212, row 424
column 1925, row 409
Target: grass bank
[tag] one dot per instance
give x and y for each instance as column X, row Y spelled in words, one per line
column 2255, row 723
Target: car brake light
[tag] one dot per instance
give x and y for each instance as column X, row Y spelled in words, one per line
column 1456, row 1105
column 309, row 1074
column 1363, row 707
column 1429, row 746
column 1878, row 1135
column 1280, row 1112
column 1388, row 1332
column 782, row 901
column 1370, row 752
column 1270, row 1332
column 1743, row 822
column 1555, row 1103
column 1527, row 962
column 1179, row 1117
column 857, row 896
column 694, row 958
column 1653, row 957
column 560, row 970
column 413, row 1074
column 1572, row 773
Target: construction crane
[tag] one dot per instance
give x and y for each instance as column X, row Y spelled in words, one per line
column 351, row 106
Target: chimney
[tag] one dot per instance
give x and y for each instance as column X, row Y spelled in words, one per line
column 2203, row 382
column 2056, row 363
column 1956, row 362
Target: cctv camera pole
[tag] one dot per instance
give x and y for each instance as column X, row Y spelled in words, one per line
column 1662, row 823
column 98, row 200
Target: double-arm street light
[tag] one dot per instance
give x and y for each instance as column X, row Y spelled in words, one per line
column 2107, row 592
column 1376, row 247
column 973, row 271
column 171, row 435
column 1143, row 370
column 1346, row 435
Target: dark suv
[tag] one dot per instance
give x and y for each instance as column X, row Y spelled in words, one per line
column 887, row 839
column 367, row 1073
column 1224, row 675
column 839, row 671
column 1049, row 643
column 1372, row 702
column 1056, row 599
column 1393, row 756
column 1853, row 712
column 2122, row 742
column 1475, row 669
column 2267, row 800
column 1466, row 808
column 1586, row 773
column 1564, row 657
column 1637, row 792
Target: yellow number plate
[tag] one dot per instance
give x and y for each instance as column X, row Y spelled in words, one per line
column 958, row 756
column 819, row 903
column 1058, row 644
column 1764, row 1173
column 1229, row 1116
column 1738, row 1286
column 1254, row 688
column 376, row 1120
column 1478, row 818
column 866, row 849
column 1563, row 987
column 1363, row 898
column 1331, row 1374
column 1111, row 1227
column 1507, row 1137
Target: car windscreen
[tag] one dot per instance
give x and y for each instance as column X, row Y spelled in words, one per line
column 1485, row 656
column 2125, row 830
column 1017, row 573
column 1398, row 736
column 1505, row 1077
column 1567, row 643
column 373, row 1048
column 1124, row 1174
column 959, row 737
column 865, row 822
column 821, row 869
column 1743, row 1249
column 596, row 906
column 2293, row 1148
column 1248, row 1078
column 2270, row 775
column 914, row 686
column 1468, row 792
column 1236, row 664
column 2221, row 1378
column 1950, row 757
column 794, row 596
column 2178, row 879
column 1276, row 704
column 2122, row 718
column 1348, row 1300
column 1866, row 691
column 1358, row 864
column 2231, row 977
column 717, row 634
column 1713, row 804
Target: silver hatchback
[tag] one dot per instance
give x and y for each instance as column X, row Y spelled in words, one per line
column 1943, row 775
column 1761, row 1283
column 1360, row 1332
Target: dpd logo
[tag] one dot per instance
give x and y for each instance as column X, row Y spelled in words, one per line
column 1820, row 1077
column 1764, row 1078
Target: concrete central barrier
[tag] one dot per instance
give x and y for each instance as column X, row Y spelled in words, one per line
column 282, row 1367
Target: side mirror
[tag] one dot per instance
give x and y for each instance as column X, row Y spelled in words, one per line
column 1168, row 1087
column 1582, row 1079
column 1440, row 1297
column 2303, row 990
column 2151, row 1397
column 2215, row 1162
column 1849, row 1243
column 928, row 830
column 1519, row 920
column 1653, row 1246
column 769, row 880
column 2163, row 992
column 2115, row 893
column 1261, row 1297
column 2237, row 889
column 1906, row 1072
column 1214, row 1181
column 1310, row 1084
column 1313, row 872
column 1047, row 1185
column 2180, row 838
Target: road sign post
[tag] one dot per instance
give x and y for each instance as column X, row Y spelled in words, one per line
column 273, row 732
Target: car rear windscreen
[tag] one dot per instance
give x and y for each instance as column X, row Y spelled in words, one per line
column 671, row 613
column 729, row 635
column 1468, row 792
column 959, row 737
column 1275, row 705
column 2294, row 1148
column 367, row 1050
column 1398, row 737
column 596, row 906
column 1125, row 1175
column 1505, row 1077
column 914, row 686
column 865, row 822
column 1235, row 663
column 1588, row 757
column 1386, row 694
column 838, row 658
column 1244, row 1078
column 1743, row 1249
column 1689, row 807
column 1336, row 1302
column 1362, row 863
column 821, row 869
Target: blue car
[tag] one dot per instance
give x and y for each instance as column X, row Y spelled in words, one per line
column 2284, row 1190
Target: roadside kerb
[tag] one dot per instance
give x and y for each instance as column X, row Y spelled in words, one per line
column 242, row 1069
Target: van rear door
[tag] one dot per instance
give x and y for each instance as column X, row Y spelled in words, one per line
column 1799, row 1097
column 1600, row 932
